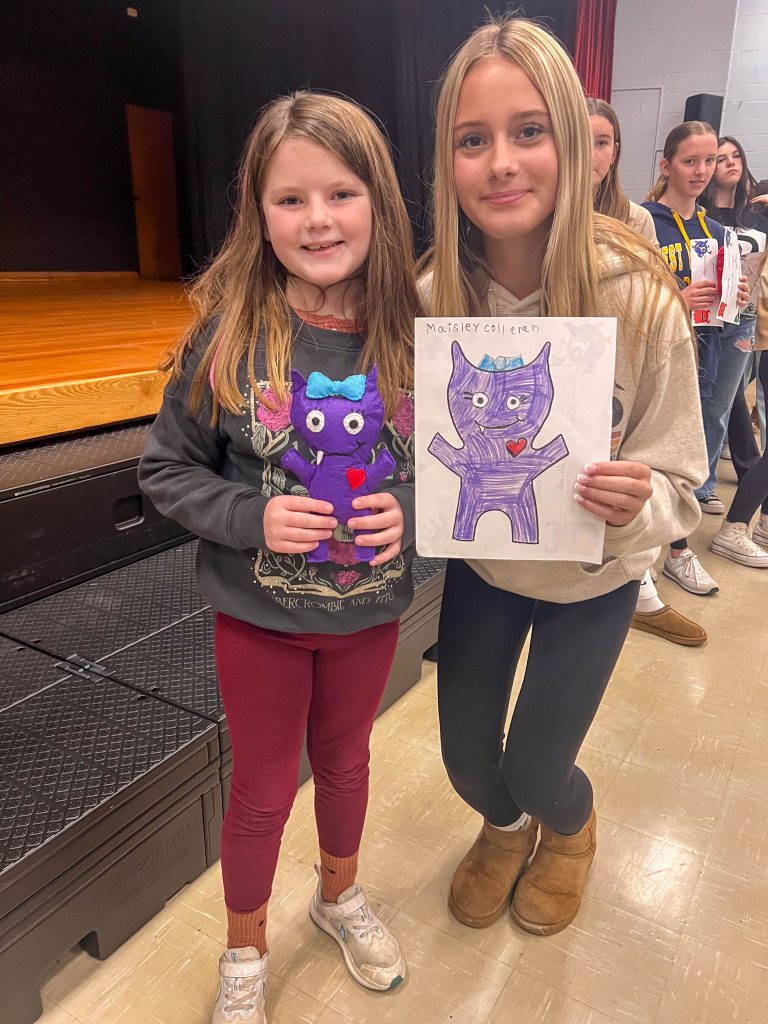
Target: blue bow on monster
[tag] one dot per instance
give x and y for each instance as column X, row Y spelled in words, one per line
column 320, row 386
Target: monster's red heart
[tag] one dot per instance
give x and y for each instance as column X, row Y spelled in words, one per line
column 515, row 447
column 355, row 477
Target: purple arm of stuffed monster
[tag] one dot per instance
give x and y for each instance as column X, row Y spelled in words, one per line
column 341, row 421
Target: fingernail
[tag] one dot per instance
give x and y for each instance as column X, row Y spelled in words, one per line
column 582, row 479
column 591, row 468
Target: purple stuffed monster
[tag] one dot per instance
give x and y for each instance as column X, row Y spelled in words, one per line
column 498, row 410
column 341, row 420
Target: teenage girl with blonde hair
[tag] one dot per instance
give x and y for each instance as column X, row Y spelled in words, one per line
column 515, row 234
column 315, row 285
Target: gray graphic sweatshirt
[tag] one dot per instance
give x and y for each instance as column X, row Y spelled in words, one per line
column 216, row 481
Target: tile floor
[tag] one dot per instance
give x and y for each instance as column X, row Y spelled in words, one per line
column 674, row 927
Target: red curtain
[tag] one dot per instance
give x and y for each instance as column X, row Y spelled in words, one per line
column 593, row 52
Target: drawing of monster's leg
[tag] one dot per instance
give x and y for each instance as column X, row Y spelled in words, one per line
column 524, row 516
column 468, row 510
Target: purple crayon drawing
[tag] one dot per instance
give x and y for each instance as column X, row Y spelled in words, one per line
column 341, row 421
column 498, row 413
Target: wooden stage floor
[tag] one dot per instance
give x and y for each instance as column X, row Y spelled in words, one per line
column 83, row 352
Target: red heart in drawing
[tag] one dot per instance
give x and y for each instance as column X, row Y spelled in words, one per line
column 355, row 477
column 515, row 447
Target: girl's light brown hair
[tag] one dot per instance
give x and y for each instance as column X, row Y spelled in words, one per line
column 572, row 264
column 610, row 198
column 671, row 145
column 244, row 285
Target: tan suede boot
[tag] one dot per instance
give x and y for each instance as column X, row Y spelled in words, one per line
column 548, row 895
column 484, row 880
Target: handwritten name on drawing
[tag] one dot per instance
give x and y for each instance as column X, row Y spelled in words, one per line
column 468, row 327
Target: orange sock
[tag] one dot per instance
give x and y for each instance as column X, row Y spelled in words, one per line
column 248, row 929
column 337, row 874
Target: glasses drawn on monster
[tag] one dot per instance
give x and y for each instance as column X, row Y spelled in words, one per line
column 498, row 409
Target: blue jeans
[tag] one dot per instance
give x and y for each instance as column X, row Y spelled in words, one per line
column 735, row 347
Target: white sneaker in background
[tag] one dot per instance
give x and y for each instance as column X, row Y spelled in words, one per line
column 732, row 541
column 726, row 452
column 688, row 571
column 760, row 531
column 371, row 952
column 242, row 989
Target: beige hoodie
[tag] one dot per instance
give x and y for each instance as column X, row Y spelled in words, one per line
column 656, row 420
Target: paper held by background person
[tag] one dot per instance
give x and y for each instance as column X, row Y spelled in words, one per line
column 508, row 412
column 722, row 269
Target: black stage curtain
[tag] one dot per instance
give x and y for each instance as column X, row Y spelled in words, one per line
column 239, row 54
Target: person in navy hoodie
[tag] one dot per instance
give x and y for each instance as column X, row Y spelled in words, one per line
column 687, row 166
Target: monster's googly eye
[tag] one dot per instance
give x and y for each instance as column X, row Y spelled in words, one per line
column 479, row 399
column 315, row 421
column 354, row 422
column 513, row 402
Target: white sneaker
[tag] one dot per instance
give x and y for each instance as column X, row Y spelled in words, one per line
column 242, row 989
column 726, row 452
column 732, row 541
column 688, row 571
column 371, row 952
column 760, row 531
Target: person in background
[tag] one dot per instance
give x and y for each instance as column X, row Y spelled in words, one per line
column 726, row 199
column 686, row 168
column 652, row 615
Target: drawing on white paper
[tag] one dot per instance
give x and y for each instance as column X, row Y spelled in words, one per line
column 499, row 408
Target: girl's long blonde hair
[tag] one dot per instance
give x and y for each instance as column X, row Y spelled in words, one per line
column 610, row 198
column 570, row 271
column 671, row 145
column 244, row 285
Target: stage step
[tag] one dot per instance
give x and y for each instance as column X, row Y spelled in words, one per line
column 74, row 510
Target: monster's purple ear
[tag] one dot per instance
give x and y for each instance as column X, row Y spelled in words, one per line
column 459, row 359
column 298, row 383
column 372, row 379
column 542, row 359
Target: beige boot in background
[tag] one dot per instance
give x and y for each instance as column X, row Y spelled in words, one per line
column 483, row 882
column 548, row 895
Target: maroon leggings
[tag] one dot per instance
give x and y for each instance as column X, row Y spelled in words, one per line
column 274, row 686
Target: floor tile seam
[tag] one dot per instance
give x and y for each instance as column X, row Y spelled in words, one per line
column 649, row 835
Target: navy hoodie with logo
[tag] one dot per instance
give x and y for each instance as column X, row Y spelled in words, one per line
column 674, row 251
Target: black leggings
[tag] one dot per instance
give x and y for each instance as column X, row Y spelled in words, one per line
column 574, row 648
column 751, row 468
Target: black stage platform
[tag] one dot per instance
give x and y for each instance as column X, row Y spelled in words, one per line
column 71, row 509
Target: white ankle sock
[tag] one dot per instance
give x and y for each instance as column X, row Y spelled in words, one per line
column 648, row 599
column 522, row 822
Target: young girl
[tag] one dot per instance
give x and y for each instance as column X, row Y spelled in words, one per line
column 516, row 235
column 314, row 284
column 651, row 614
column 726, row 199
column 688, row 163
